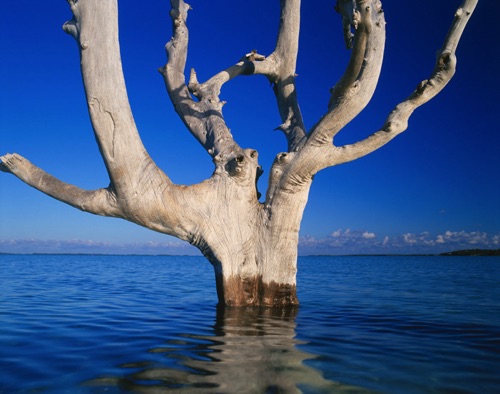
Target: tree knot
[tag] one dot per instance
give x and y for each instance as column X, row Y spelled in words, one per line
column 446, row 60
column 235, row 166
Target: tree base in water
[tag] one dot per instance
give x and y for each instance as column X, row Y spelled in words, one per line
column 237, row 291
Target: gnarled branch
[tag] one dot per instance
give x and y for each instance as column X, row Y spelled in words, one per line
column 204, row 118
column 279, row 68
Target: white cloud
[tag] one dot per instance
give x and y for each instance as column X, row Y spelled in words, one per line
column 462, row 237
column 409, row 238
column 337, row 233
column 366, row 242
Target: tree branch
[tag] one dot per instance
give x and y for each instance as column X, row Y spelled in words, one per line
column 397, row 121
column 285, row 58
column 139, row 191
column 95, row 28
column 210, row 90
column 348, row 97
column 204, row 118
column 100, row 202
column 356, row 87
column 279, row 68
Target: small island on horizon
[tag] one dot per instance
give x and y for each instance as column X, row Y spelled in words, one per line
column 473, row 252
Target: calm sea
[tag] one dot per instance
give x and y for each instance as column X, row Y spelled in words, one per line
column 143, row 324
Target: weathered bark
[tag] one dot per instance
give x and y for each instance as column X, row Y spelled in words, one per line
column 251, row 244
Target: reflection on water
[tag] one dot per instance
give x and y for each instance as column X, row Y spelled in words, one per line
column 250, row 350
column 412, row 325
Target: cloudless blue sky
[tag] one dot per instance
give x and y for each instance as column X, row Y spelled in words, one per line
column 436, row 187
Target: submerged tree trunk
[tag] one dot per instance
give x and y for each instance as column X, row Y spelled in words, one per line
column 252, row 245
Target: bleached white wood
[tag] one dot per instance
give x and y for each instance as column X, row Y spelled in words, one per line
column 252, row 245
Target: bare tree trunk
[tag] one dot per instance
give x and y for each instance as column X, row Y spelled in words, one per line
column 251, row 244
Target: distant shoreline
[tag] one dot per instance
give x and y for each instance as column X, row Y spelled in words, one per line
column 465, row 252
column 473, row 252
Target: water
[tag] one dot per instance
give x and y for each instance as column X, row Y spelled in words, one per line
column 143, row 324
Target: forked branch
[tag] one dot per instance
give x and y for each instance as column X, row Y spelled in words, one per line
column 397, row 121
column 95, row 29
column 279, row 68
column 350, row 95
column 139, row 191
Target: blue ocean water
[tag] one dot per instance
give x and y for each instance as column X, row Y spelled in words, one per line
column 149, row 324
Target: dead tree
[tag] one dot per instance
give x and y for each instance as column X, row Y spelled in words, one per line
column 252, row 245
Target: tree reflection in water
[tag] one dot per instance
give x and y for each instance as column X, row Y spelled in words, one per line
column 251, row 350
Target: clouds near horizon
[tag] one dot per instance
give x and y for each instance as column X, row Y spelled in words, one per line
column 364, row 242
column 337, row 242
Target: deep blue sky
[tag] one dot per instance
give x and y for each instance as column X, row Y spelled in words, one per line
column 435, row 188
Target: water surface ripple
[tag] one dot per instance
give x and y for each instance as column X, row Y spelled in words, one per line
column 149, row 324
